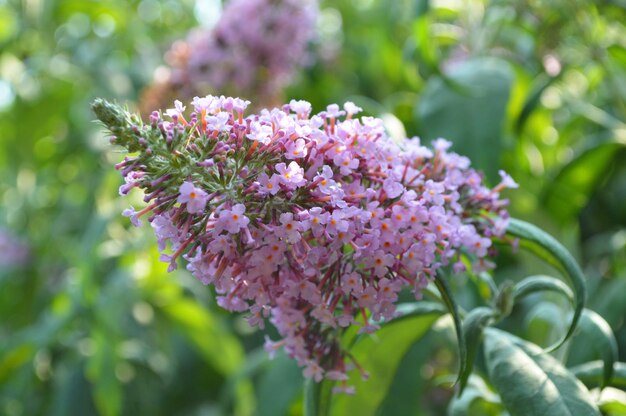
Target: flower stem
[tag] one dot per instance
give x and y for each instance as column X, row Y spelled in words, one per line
column 311, row 397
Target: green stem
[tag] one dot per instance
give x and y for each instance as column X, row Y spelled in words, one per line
column 317, row 397
column 311, row 397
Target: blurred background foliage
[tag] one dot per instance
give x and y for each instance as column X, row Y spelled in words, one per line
column 90, row 323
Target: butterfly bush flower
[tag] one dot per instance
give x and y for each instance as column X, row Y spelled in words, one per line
column 256, row 47
column 263, row 208
column 194, row 198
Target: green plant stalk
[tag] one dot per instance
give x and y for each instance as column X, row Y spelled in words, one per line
column 311, row 397
column 317, row 397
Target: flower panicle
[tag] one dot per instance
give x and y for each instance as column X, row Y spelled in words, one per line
column 314, row 222
column 259, row 57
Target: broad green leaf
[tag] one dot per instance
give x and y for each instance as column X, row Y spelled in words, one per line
column 473, row 327
column 545, row 322
column 591, row 373
column 531, row 382
column 404, row 310
column 541, row 283
column 380, row 354
column 609, row 299
column 569, row 192
column 593, row 326
column 477, row 399
column 414, row 382
column 279, row 385
column 470, row 115
column 549, row 249
column 413, row 309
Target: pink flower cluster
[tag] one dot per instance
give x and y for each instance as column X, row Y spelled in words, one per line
column 255, row 47
column 315, row 222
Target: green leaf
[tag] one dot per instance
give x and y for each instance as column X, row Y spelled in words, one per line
column 569, row 192
column 13, row 359
column 549, row 249
column 609, row 299
column 415, row 379
column 422, row 7
column 473, row 327
column 404, row 311
column 380, row 354
column 531, row 382
column 591, row 373
column 257, row 361
column 413, row 309
column 612, row 402
column 471, row 115
column 446, row 295
column 425, row 48
column 593, row 326
column 279, row 385
column 533, row 100
column 545, row 323
column 215, row 343
column 477, row 399
column 541, row 283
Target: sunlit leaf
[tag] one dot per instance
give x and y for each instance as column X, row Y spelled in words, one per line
column 612, row 402
column 531, row 382
column 533, row 101
column 477, row 399
column 380, row 354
